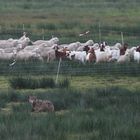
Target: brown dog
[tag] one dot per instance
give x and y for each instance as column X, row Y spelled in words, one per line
column 40, row 105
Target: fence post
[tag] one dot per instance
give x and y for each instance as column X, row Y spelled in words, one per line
column 122, row 38
column 43, row 34
column 23, row 27
column 99, row 32
column 58, row 69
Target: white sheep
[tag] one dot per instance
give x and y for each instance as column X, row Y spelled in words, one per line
column 124, row 58
column 102, row 56
column 26, row 55
column 73, row 46
column 48, row 43
column 7, row 56
column 136, row 56
column 77, row 55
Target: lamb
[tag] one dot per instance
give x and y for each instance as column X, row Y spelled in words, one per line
column 39, row 105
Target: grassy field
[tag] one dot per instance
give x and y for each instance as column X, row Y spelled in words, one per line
column 91, row 112
column 92, row 107
column 67, row 18
column 102, row 101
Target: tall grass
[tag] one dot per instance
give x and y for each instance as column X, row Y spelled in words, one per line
column 101, row 113
column 21, row 82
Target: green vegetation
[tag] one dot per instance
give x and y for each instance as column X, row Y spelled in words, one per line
column 67, row 18
column 100, row 113
column 68, row 68
column 21, row 82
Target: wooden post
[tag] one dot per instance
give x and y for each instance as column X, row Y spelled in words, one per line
column 58, row 70
column 122, row 38
column 43, row 34
column 99, row 32
column 23, row 27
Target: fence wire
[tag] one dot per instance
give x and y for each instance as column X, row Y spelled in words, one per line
column 97, row 33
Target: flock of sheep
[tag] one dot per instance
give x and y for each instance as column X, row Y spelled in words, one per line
column 49, row 50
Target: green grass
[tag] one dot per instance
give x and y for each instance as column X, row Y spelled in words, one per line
column 68, row 68
column 101, row 113
column 21, row 82
column 66, row 19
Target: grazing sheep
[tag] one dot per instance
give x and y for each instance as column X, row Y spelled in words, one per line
column 102, row 56
column 78, row 56
column 27, row 55
column 47, row 53
column 8, row 43
column 124, row 58
column 137, row 55
column 88, row 43
column 91, row 55
column 39, row 105
column 116, row 46
column 7, row 56
column 60, row 53
column 73, row 46
column 123, row 49
column 48, row 43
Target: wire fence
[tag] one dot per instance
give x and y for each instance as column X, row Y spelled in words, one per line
column 98, row 33
column 68, row 68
